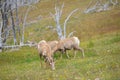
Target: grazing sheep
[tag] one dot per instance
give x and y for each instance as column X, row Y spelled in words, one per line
column 68, row 44
column 52, row 44
column 45, row 51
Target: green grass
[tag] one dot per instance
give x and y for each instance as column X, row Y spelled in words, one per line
column 101, row 61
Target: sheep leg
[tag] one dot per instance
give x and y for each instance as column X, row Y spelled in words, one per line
column 63, row 51
column 67, row 54
column 82, row 50
column 40, row 59
column 61, row 55
column 74, row 54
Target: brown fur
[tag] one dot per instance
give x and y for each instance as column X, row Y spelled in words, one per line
column 52, row 44
column 45, row 51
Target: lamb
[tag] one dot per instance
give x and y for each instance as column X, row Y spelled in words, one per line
column 45, row 51
column 68, row 44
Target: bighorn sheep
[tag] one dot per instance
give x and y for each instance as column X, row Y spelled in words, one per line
column 53, row 44
column 45, row 51
column 68, row 44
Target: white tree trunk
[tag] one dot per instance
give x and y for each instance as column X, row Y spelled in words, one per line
column 24, row 23
column 57, row 17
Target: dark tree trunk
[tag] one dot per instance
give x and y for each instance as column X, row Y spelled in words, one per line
column 13, row 24
column 17, row 22
column 5, row 20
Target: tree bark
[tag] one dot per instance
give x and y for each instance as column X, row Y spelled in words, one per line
column 13, row 25
column 1, row 37
column 4, row 10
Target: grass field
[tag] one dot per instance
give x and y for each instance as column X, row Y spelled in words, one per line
column 100, row 38
column 102, row 61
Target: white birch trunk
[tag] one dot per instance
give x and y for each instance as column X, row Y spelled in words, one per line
column 57, row 17
column 24, row 23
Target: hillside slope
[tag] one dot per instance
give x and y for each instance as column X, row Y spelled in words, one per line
column 85, row 25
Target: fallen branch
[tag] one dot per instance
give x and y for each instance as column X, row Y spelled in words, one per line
column 17, row 46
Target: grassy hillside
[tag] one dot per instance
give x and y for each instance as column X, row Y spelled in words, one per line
column 102, row 61
column 85, row 25
column 99, row 34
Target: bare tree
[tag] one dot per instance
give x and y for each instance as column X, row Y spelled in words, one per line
column 114, row 2
column 17, row 20
column 100, row 5
column 23, row 29
column 13, row 24
column 24, row 24
column 58, row 12
column 66, row 20
column 4, row 11
column 9, row 18
column 57, row 16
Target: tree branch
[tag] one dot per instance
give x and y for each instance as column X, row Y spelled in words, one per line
column 24, row 23
column 65, row 23
column 70, row 34
column 61, row 9
column 53, row 16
